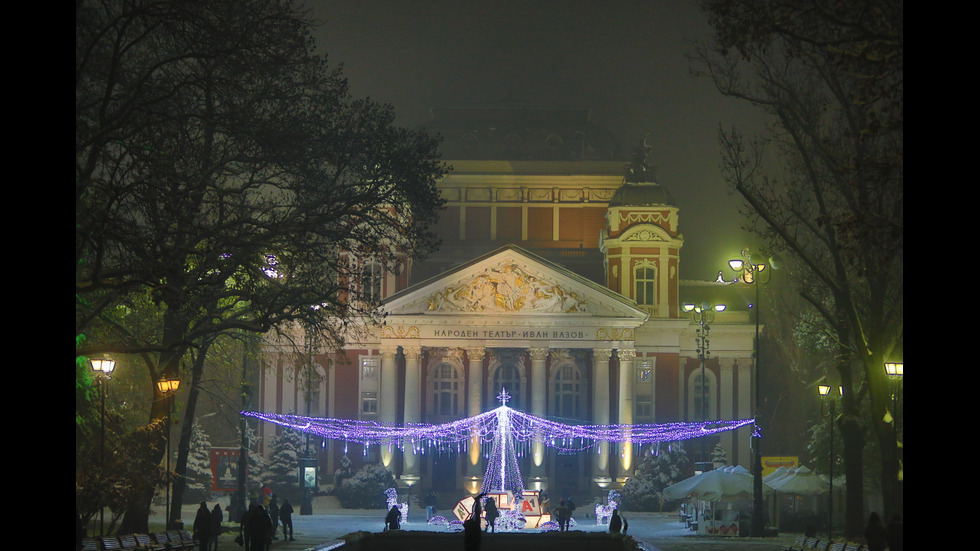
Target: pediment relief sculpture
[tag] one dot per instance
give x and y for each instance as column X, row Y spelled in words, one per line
column 507, row 287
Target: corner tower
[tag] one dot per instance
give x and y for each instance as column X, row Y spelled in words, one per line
column 641, row 243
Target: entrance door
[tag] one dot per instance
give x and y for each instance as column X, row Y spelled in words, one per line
column 444, row 468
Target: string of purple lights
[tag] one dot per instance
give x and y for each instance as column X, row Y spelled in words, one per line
column 519, row 427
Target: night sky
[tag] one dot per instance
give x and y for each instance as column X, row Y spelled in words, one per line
column 624, row 61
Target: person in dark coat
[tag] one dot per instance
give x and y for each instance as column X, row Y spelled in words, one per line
column 286, row 517
column 274, row 515
column 393, row 520
column 217, row 517
column 617, row 524
column 203, row 525
column 259, row 528
column 472, row 531
column 430, row 506
column 492, row 514
column 874, row 533
column 895, row 533
column 244, row 531
column 561, row 514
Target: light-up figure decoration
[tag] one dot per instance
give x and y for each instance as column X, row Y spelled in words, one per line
column 504, row 428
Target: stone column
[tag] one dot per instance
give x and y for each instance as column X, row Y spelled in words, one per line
column 474, row 405
column 626, row 375
column 600, row 404
column 539, row 408
column 413, row 407
column 388, row 397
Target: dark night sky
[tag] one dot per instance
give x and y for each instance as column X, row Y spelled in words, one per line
column 623, row 60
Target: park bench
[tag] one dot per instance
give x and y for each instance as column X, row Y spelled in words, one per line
column 110, row 543
column 129, row 542
column 852, row 546
column 838, row 546
column 163, row 538
column 185, row 538
column 797, row 545
column 148, row 544
column 90, row 544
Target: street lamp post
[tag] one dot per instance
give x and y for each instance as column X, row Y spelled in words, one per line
column 168, row 388
column 748, row 272
column 896, row 371
column 825, row 392
column 103, row 373
column 703, row 314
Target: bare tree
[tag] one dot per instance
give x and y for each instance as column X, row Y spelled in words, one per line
column 223, row 171
column 825, row 185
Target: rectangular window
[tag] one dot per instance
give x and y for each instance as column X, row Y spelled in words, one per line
column 369, row 369
column 643, row 406
column 645, row 279
column 369, row 402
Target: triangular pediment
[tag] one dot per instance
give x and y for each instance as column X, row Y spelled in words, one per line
column 512, row 281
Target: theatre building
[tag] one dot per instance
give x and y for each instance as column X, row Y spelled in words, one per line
column 559, row 280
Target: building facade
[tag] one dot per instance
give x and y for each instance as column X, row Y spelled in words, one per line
column 559, row 280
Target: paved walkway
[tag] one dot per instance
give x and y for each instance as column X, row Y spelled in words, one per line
column 327, row 526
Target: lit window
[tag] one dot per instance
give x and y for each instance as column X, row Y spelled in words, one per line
column 445, row 390
column 371, row 278
column 643, row 406
column 645, row 279
column 569, row 390
column 369, row 369
column 369, row 402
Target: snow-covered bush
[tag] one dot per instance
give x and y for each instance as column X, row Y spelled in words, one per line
column 366, row 488
column 656, row 470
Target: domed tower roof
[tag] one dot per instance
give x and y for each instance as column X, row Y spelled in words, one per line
column 639, row 188
column 641, row 194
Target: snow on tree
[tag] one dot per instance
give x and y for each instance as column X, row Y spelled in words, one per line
column 284, row 460
column 663, row 466
column 719, row 457
column 199, row 475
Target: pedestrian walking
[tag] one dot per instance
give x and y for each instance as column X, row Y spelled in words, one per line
column 472, row 531
column 393, row 519
column 259, row 528
column 286, row 517
column 561, row 514
column 874, row 533
column 274, row 516
column 217, row 517
column 492, row 514
column 202, row 525
column 244, row 530
column 430, row 506
column 895, row 533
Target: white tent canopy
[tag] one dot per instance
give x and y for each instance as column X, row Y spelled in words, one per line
column 802, row 482
column 723, row 484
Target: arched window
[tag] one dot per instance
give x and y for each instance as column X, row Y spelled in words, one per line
column 701, row 395
column 645, row 283
column 569, row 392
column 445, row 391
column 371, row 278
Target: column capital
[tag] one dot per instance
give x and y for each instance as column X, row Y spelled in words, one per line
column 476, row 353
column 626, row 355
column 602, row 354
column 539, row 353
column 412, row 352
column 388, row 350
